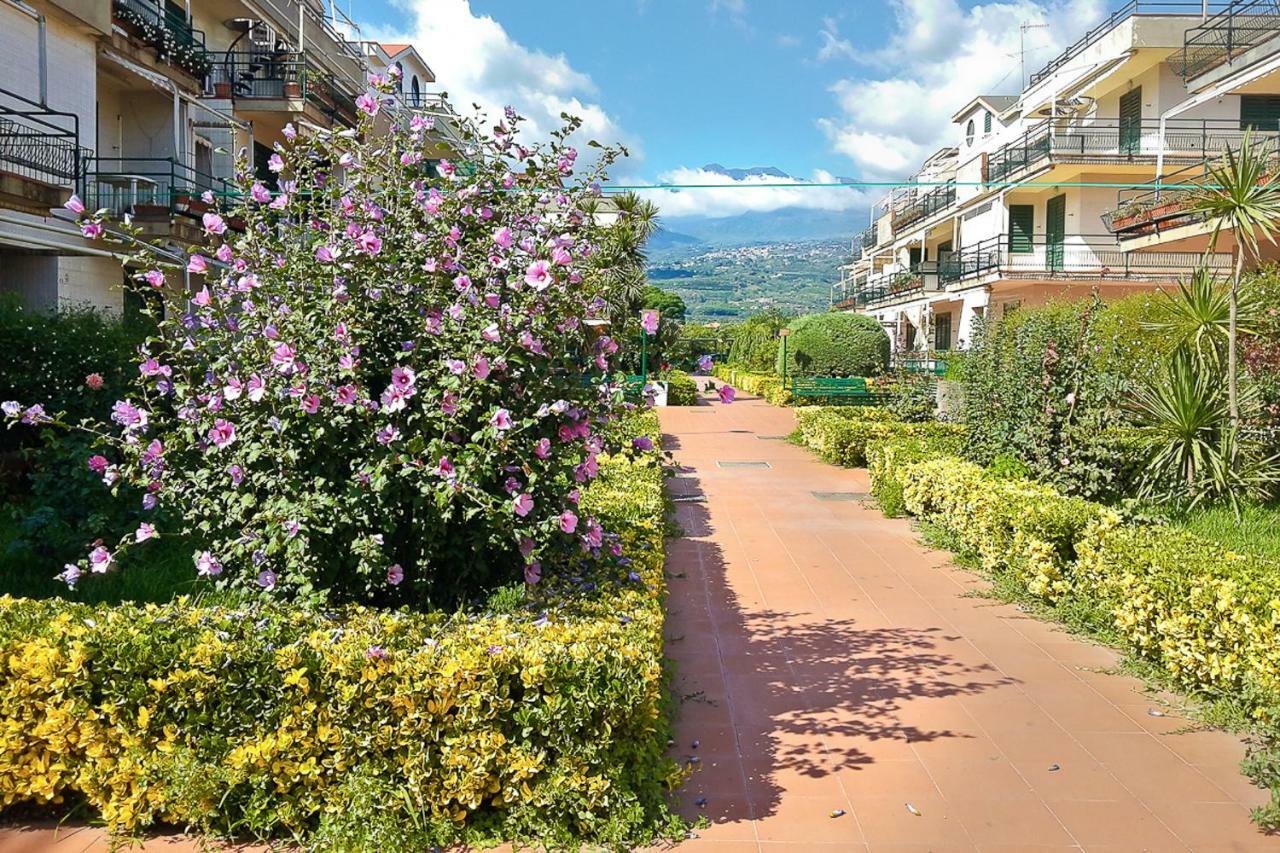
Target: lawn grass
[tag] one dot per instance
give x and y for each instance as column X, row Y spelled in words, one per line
column 1257, row 531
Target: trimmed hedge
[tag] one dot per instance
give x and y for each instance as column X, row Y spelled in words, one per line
column 763, row 385
column 681, row 389
column 835, row 344
column 544, row 721
column 840, row 434
column 1206, row 617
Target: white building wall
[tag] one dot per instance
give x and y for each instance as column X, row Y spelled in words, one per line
column 72, row 64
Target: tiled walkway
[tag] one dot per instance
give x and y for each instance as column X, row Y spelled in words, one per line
column 827, row 661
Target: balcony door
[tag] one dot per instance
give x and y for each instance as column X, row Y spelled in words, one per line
column 1131, row 122
column 1055, row 232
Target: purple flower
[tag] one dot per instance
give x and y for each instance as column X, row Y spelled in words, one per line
column 70, row 574
column 481, row 368
column 456, row 366
column 144, row 532
column 346, row 395
column 522, row 504
column 568, row 521
column 402, row 377
column 129, row 416
column 649, row 321
column 533, row 573
column 74, row 204
column 369, row 243
column 491, row 333
column 643, row 443
column 155, row 278
column 35, row 415
column 395, row 574
column 92, row 230
column 326, row 254
column 207, row 566
column 501, row 419
column 11, row 408
column 503, row 237
column 542, row 449
column 259, row 192
column 538, row 275
column 560, row 256
column 222, row 433
column 705, row 364
column 237, row 474
column 283, row 357
column 98, row 464
column 99, row 560
column 267, row 579
column 368, row 104
column 275, row 163
column 376, row 653
column 197, row 264
column 726, row 393
column 213, row 223
column 387, row 434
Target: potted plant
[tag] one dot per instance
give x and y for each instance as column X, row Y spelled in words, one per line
column 222, row 89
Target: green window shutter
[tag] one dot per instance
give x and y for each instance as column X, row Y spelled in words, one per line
column 1260, row 112
column 1131, row 121
column 1055, row 231
column 1022, row 222
column 986, row 123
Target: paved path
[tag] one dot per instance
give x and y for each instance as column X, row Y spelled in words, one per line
column 826, row 661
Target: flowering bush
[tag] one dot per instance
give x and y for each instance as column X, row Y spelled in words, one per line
column 356, row 727
column 681, row 389
column 377, row 391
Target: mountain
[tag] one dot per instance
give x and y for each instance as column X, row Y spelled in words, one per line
column 786, row 224
column 665, row 238
column 753, row 172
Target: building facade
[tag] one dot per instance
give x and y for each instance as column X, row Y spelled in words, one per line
column 1023, row 208
column 141, row 106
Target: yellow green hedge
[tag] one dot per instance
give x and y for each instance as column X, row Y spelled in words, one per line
column 1207, row 617
column 841, row 434
column 764, row 385
column 362, row 727
column 682, row 390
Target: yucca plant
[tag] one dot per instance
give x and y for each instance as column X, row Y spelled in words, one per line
column 1198, row 316
column 1240, row 195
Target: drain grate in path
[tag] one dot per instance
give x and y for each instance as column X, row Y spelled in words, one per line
column 689, row 499
column 772, row 437
column 840, row 496
column 724, row 463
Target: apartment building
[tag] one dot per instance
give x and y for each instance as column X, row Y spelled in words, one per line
column 141, row 106
column 1022, row 208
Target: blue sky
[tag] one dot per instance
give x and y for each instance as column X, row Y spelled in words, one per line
column 818, row 88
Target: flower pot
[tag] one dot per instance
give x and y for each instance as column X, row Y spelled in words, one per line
column 293, row 89
column 222, row 90
column 1169, row 208
column 1122, row 222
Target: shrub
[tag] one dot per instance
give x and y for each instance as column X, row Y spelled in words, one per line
column 376, row 396
column 840, row 435
column 681, row 389
column 755, row 342
column 913, row 396
column 887, row 457
column 544, row 725
column 835, row 344
column 766, row 386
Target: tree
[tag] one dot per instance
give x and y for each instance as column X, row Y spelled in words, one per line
column 1239, row 194
column 670, row 305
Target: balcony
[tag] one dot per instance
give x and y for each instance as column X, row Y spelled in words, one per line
column 162, row 195
column 1081, row 258
column 40, row 154
column 282, row 80
column 165, row 31
column 1155, row 207
column 1232, row 32
column 1113, row 142
column 867, row 238
column 917, row 208
column 1187, row 8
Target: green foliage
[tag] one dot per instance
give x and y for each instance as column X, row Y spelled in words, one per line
column 1257, row 530
column 755, row 342
column 681, row 389
column 670, row 305
column 835, row 344
column 1006, row 467
column 840, row 435
column 913, row 396
column 887, row 457
column 353, row 729
column 1036, row 388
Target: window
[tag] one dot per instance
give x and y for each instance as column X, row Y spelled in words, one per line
column 968, row 133
column 416, row 90
column 1022, row 220
column 1260, row 112
column 986, row 122
column 399, row 76
column 1131, row 121
column 942, row 331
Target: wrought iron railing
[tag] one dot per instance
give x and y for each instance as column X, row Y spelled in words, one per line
column 280, row 75
column 867, row 238
column 1080, row 257
column 1110, row 141
column 39, row 143
column 142, row 185
column 167, row 31
column 915, row 208
column 1188, row 8
column 1240, row 26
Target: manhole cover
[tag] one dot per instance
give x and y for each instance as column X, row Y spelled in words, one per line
column 840, row 496
column 740, row 430
column 727, row 464
column 689, row 499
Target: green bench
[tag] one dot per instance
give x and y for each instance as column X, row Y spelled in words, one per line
column 852, row 391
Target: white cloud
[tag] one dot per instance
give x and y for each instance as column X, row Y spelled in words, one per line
column 939, row 56
column 755, row 194
column 478, row 62
column 833, row 45
column 733, row 7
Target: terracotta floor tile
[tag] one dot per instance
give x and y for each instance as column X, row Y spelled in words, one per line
column 1117, row 822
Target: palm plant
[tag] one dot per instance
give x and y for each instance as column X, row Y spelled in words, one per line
column 621, row 259
column 1239, row 195
column 1198, row 316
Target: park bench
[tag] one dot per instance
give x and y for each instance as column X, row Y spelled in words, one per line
column 852, row 391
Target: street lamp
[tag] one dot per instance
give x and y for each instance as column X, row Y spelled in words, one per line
column 784, row 334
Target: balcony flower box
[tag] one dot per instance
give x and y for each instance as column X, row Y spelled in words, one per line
column 292, row 89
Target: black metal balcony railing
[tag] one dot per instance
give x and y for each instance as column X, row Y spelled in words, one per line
column 280, row 75
column 867, row 238
column 1111, row 141
column 1082, row 257
column 38, row 143
column 1187, row 8
column 1240, row 26
column 167, row 31
column 916, row 208
column 143, row 186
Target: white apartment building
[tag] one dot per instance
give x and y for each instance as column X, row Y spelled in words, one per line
column 1021, row 210
column 140, row 106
